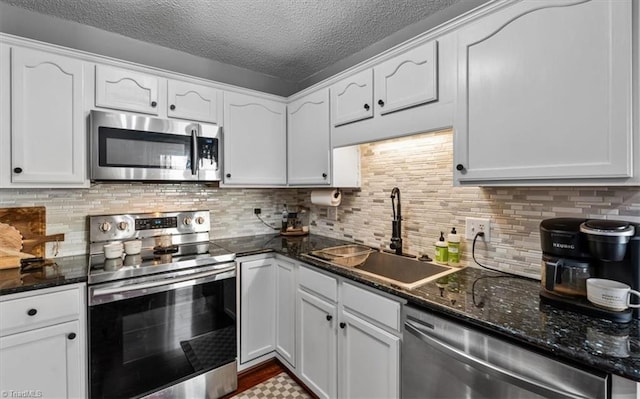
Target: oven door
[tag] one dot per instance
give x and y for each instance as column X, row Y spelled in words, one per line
column 158, row 331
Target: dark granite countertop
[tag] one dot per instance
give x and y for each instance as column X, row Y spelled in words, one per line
column 64, row 270
column 503, row 306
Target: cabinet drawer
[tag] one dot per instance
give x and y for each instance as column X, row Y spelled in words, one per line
column 39, row 310
column 379, row 309
column 319, row 283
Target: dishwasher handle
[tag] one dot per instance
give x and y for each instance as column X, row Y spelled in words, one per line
column 506, row 375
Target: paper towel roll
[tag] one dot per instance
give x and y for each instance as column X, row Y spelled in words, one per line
column 326, row 197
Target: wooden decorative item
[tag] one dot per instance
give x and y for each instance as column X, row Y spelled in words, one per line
column 31, row 224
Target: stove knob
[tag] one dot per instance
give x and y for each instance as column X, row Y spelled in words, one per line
column 105, row 226
column 187, row 221
column 123, row 226
column 200, row 220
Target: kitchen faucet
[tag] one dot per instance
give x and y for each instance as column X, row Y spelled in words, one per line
column 396, row 225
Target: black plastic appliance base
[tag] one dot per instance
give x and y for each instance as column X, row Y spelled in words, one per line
column 583, row 306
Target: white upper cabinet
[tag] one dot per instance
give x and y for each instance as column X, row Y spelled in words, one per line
column 309, row 146
column 545, row 93
column 47, row 129
column 193, row 102
column 411, row 92
column 127, row 90
column 407, row 80
column 352, row 98
column 255, row 141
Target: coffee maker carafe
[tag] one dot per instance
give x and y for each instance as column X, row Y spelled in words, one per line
column 574, row 250
column 566, row 265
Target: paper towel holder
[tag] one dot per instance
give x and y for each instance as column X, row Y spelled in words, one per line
column 337, row 193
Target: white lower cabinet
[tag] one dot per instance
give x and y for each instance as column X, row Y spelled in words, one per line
column 348, row 339
column 317, row 356
column 285, row 271
column 369, row 359
column 258, row 308
column 43, row 344
column 267, row 309
column 45, row 360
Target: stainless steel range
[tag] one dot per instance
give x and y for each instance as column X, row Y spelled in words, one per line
column 162, row 321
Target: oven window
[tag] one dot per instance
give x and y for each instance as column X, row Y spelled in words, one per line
column 133, row 148
column 141, row 344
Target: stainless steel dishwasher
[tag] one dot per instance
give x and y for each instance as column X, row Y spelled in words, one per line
column 444, row 359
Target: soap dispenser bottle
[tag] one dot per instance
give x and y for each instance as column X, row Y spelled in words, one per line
column 453, row 248
column 441, row 250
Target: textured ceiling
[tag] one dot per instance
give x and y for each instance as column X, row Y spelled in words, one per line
column 289, row 39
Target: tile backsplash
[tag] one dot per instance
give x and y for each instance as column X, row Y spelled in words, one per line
column 231, row 209
column 421, row 166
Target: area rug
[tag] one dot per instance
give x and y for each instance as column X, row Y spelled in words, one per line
column 279, row 387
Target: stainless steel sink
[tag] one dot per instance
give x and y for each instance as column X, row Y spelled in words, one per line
column 405, row 272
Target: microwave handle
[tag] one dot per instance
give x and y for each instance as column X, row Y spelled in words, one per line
column 194, row 151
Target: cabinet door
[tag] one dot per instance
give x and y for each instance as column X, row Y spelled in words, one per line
column 47, row 118
column 546, row 103
column 352, row 98
column 369, row 360
column 285, row 309
column 193, row 102
column 255, row 141
column 126, row 90
column 317, row 357
column 309, row 139
column 47, row 362
column 407, row 80
column 257, row 308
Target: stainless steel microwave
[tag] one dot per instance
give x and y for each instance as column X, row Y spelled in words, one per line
column 140, row 148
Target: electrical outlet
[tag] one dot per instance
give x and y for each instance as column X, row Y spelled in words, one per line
column 475, row 225
column 257, row 211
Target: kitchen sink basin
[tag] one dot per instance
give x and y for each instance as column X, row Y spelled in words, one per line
column 405, row 272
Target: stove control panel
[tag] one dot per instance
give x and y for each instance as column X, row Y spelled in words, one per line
column 157, row 223
column 123, row 227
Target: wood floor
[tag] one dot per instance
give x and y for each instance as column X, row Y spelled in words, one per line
column 262, row 372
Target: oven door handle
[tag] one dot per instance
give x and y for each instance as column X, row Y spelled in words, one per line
column 111, row 294
column 506, row 375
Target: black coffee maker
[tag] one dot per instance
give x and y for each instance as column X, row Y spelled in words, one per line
column 574, row 250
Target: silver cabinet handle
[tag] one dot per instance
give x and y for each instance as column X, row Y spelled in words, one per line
column 486, row 367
